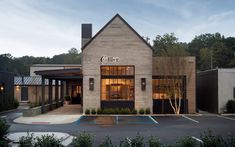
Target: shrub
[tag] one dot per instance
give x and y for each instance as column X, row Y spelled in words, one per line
column 141, row 111
column 153, row 141
column 147, row 111
column 67, row 98
column 26, row 141
column 124, row 111
column 186, row 142
column 93, row 111
column 138, row 141
column 99, row 111
column 4, row 144
column 134, row 111
column 125, row 143
column 230, row 106
column 211, row 140
column 116, row 111
column 48, row 141
column 83, row 140
column 16, row 103
column 32, row 105
column 231, row 141
column 87, row 111
column 107, row 142
column 4, row 128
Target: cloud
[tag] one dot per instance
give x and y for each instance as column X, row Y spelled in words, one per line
column 28, row 31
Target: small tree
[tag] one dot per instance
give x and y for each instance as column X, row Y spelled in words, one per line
column 173, row 66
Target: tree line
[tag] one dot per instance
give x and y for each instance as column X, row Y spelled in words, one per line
column 21, row 66
column 211, row 51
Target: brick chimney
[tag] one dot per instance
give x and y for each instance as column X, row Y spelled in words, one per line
column 86, row 33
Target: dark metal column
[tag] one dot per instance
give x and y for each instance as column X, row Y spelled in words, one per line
column 67, row 88
column 56, row 93
column 62, row 92
column 50, row 94
column 43, row 95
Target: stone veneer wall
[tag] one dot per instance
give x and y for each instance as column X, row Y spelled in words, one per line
column 117, row 40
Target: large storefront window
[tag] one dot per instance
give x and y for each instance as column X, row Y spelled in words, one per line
column 166, row 87
column 117, row 83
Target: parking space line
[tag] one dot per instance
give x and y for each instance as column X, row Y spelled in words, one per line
column 3, row 116
column 226, row 117
column 153, row 120
column 190, row 119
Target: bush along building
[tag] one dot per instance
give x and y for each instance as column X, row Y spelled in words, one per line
column 118, row 70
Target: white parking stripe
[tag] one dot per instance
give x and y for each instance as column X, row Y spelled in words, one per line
column 3, row 116
column 226, row 117
column 153, row 120
column 190, row 119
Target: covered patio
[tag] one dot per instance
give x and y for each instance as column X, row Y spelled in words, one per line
column 63, row 79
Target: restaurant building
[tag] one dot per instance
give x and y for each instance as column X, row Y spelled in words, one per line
column 118, row 70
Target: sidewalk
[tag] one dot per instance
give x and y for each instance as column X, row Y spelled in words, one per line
column 63, row 115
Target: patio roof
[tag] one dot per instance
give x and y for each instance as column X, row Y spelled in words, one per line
column 61, row 74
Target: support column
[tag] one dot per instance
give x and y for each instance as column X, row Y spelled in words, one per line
column 67, row 88
column 62, row 92
column 56, row 93
column 43, row 95
column 50, row 94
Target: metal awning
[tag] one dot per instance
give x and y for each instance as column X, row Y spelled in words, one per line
column 61, row 74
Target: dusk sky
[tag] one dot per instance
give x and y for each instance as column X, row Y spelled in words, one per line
column 49, row 27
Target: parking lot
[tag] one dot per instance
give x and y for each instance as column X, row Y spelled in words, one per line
column 167, row 128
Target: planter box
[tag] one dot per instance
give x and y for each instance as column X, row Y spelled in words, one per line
column 32, row 111
column 38, row 110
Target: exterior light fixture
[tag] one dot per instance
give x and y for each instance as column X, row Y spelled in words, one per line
column 143, row 84
column 2, row 88
column 17, row 88
column 91, row 84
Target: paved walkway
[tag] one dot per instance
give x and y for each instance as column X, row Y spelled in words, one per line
column 63, row 115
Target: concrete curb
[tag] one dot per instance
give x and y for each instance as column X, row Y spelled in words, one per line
column 7, row 111
column 228, row 114
column 196, row 114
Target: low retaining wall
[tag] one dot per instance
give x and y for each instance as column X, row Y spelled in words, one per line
column 38, row 110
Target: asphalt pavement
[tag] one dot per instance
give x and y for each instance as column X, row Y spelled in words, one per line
column 167, row 128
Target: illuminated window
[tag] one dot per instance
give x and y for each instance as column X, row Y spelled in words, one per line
column 168, row 87
column 117, row 82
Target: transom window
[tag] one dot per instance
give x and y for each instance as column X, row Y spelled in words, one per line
column 165, row 87
column 117, row 83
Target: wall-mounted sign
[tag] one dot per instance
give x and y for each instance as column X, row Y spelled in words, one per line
column 109, row 59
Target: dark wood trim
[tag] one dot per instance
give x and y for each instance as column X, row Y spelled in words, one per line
column 118, row 104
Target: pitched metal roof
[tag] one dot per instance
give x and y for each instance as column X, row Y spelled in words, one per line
column 30, row 81
column 101, row 30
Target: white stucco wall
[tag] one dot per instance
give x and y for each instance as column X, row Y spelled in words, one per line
column 226, row 83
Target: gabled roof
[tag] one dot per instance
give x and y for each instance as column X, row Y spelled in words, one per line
column 101, row 30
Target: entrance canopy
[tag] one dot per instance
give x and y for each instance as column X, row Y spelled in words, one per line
column 61, row 74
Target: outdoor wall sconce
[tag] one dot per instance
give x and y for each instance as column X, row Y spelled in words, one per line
column 143, row 84
column 2, row 87
column 91, row 84
column 17, row 88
